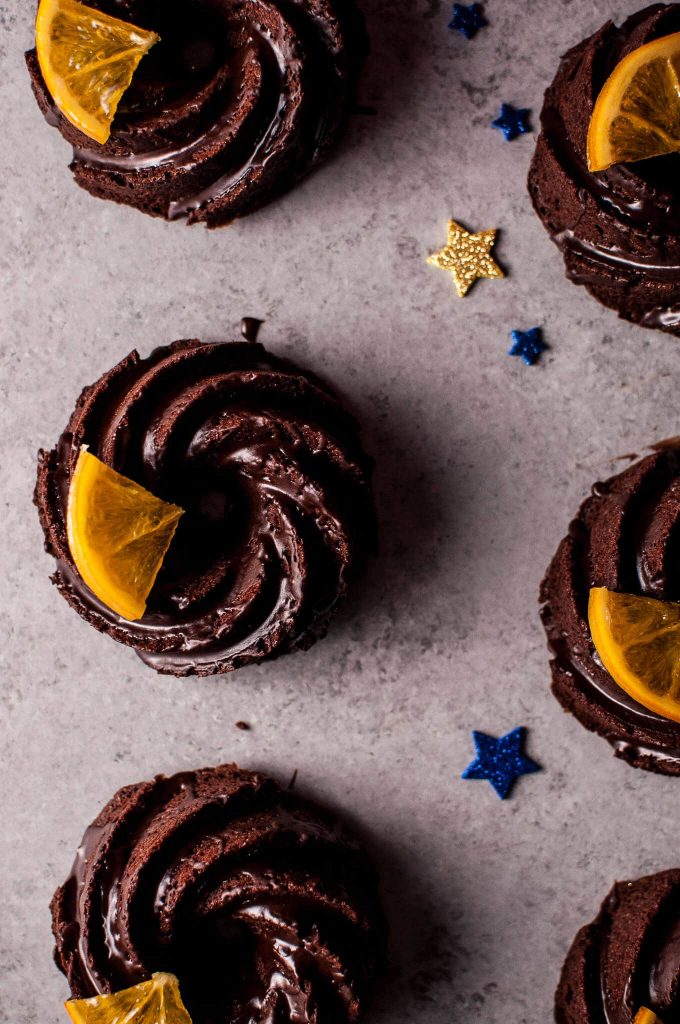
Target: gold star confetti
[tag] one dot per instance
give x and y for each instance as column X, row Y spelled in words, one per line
column 467, row 256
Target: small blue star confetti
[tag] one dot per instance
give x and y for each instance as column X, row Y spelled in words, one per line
column 500, row 761
column 528, row 345
column 468, row 20
column 512, row 121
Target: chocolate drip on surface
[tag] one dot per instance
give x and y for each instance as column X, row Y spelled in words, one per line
column 237, row 102
column 268, row 466
column 625, row 537
column 250, row 328
column 627, row 958
column 619, row 230
column 258, row 901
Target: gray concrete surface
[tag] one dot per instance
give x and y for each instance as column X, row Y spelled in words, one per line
column 480, row 462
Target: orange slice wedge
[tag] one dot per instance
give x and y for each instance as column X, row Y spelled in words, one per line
column 638, row 640
column 637, row 114
column 87, row 60
column 118, row 534
column 156, row 1001
column 645, row 1016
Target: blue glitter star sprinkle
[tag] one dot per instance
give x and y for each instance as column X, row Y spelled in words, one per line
column 500, row 761
column 528, row 345
column 468, row 20
column 512, row 121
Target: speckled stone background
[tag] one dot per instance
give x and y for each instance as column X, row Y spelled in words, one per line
column 480, row 463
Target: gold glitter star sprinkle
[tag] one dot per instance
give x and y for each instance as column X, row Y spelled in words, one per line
column 467, row 256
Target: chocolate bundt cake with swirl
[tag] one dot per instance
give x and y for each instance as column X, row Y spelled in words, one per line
column 628, row 958
column 619, row 229
column 258, row 901
column 625, row 537
column 238, row 101
column 268, row 466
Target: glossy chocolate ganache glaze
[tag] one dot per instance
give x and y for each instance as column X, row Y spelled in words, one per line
column 260, row 903
column 619, row 230
column 627, row 958
column 238, row 100
column 625, row 537
column 279, row 517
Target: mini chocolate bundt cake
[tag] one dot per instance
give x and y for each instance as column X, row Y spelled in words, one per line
column 628, row 958
column 279, row 516
column 238, row 101
column 619, row 229
column 625, row 537
column 257, row 900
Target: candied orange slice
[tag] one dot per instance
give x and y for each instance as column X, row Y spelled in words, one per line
column 156, row 1001
column 87, row 60
column 638, row 640
column 118, row 534
column 637, row 114
column 645, row 1016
